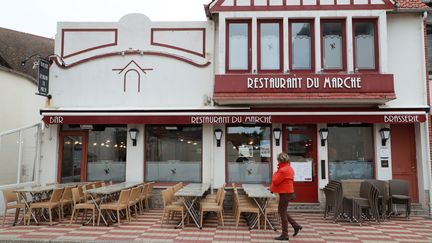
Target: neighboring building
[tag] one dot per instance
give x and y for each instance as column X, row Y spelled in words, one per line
column 255, row 70
column 20, row 106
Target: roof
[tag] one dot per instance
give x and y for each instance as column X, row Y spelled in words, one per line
column 412, row 4
column 15, row 46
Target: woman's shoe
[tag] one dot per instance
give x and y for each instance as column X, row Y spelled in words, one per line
column 281, row 238
column 297, row 230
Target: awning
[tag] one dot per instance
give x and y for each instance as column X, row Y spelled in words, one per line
column 227, row 117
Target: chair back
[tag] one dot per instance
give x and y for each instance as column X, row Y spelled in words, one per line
column 81, row 190
column 98, row 184
column 124, row 197
column 365, row 189
column 145, row 189
column 67, row 194
column 56, row 195
column 135, row 194
column 166, row 197
column 150, row 189
column 76, row 196
column 9, row 196
column 381, row 186
column 221, row 198
column 89, row 186
column 178, row 186
column 399, row 187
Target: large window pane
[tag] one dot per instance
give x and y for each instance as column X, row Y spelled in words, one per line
column 333, row 45
column 174, row 153
column 29, row 154
column 301, row 46
column 238, row 46
column 364, row 37
column 106, row 154
column 350, row 152
column 270, row 46
column 9, row 151
column 248, row 154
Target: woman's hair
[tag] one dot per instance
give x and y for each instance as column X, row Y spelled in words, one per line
column 283, row 157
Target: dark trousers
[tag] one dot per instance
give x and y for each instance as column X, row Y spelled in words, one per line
column 285, row 217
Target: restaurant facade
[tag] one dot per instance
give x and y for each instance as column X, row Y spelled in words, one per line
column 332, row 83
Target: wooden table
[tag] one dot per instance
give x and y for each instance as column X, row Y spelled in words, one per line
column 260, row 195
column 105, row 192
column 190, row 194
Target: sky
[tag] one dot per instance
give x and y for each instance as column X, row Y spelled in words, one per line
column 40, row 17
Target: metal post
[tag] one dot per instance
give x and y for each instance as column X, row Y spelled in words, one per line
column 19, row 157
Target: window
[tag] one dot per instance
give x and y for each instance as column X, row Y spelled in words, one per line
column 239, row 44
column 365, row 44
column 173, row 153
column 429, row 47
column 248, row 154
column 333, row 44
column 269, row 44
column 301, row 36
column 106, row 154
column 350, row 152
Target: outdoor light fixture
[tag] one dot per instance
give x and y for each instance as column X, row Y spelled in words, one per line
column 133, row 132
column 47, row 58
column 277, row 132
column 385, row 135
column 323, row 132
column 218, row 135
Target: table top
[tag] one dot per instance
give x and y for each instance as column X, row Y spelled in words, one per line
column 46, row 188
column 113, row 188
column 257, row 191
column 193, row 190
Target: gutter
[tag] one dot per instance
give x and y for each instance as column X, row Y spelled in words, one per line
column 411, row 10
column 207, row 10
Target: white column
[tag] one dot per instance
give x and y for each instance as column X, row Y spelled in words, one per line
column 135, row 155
column 219, row 159
column 382, row 42
column 317, row 36
column 286, row 44
column 276, row 149
column 48, row 167
column 254, row 51
column 349, row 43
column 386, row 172
column 322, row 155
column 222, row 44
column 207, row 154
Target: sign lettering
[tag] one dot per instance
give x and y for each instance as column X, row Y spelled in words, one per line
column 401, row 118
column 56, row 120
column 350, row 82
column 43, row 77
column 230, row 119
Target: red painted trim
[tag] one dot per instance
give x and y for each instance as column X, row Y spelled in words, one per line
column 150, row 53
column 201, row 54
column 202, row 154
column 84, row 135
column 227, row 47
column 127, row 65
column 139, row 79
column 344, row 49
column 88, row 49
column 290, row 35
column 376, row 43
column 281, row 46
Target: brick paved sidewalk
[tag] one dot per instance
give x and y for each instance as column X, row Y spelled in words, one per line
column 147, row 228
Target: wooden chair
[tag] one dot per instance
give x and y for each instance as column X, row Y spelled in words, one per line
column 171, row 207
column 66, row 199
column 143, row 203
column 245, row 207
column 214, row 207
column 149, row 194
column 12, row 201
column 134, row 199
column 121, row 204
column 272, row 208
column 77, row 206
column 53, row 203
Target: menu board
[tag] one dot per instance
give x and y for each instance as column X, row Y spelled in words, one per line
column 246, row 151
column 303, row 170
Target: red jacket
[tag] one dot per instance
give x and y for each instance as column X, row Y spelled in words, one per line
column 283, row 179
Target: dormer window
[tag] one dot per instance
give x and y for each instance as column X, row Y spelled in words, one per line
column 239, row 46
column 270, row 46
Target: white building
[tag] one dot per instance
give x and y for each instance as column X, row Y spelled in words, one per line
column 255, row 70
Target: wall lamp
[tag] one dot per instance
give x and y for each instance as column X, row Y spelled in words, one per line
column 133, row 133
column 47, row 58
column 277, row 132
column 385, row 135
column 218, row 135
column 323, row 132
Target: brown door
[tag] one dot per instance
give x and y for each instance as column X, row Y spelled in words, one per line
column 72, row 165
column 300, row 144
column 403, row 149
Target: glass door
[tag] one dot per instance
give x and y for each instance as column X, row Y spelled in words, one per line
column 72, row 157
column 300, row 144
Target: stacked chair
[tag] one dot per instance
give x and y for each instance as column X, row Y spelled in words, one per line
column 333, row 194
column 172, row 206
column 213, row 204
column 12, row 201
column 121, row 204
column 272, row 208
column 52, row 203
column 79, row 205
column 399, row 194
column 244, row 205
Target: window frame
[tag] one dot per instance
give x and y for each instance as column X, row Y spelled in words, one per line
column 290, row 48
column 376, row 43
column 344, row 44
column 227, row 46
column 271, row 149
column 146, row 145
column 281, row 47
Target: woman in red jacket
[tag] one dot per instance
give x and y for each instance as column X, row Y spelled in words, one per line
column 283, row 184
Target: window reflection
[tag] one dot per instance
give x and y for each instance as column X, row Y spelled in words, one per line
column 332, row 40
column 238, row 46
column 270, row 46
column 364, row 35
column 248, row 154
column 301, row 46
